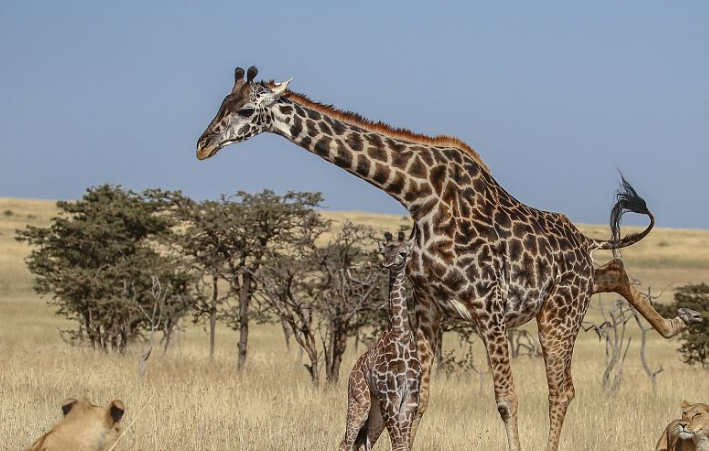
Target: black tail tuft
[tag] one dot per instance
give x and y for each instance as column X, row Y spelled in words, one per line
column 627, row 200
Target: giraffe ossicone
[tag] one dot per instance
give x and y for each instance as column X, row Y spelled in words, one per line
column 478, row 253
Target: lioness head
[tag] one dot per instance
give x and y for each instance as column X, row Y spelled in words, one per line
column 695, row 421
column 84, row 426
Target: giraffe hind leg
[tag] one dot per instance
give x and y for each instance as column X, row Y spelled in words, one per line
column 557, row 334
column 374, row 427
column 359, row 403
column 612, row 278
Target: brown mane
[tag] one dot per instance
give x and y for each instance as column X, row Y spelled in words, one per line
column 357, row 120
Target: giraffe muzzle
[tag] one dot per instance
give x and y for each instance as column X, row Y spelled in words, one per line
column 206, row 148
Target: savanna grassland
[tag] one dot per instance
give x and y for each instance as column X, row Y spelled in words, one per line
column 188, row 403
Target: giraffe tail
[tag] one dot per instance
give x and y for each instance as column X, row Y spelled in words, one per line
column 627, row 200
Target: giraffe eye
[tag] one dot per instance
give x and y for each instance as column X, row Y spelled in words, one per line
column 246, row 112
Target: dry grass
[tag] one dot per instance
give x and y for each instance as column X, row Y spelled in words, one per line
column 191, row 404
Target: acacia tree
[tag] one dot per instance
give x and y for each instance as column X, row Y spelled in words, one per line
column 97, row 260
column 288, row 292
column 227, row 240
column 351, row 281
column 170, row 299
column 263, row 223
column 178, row 289
column 318, row 291
column 203, row 241
column 288, row 288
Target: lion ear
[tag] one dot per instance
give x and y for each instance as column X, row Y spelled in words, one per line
column 67, row 405
column 685, row 404
column 116, row 409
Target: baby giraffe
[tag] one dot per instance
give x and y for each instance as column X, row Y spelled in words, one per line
column 384, row 384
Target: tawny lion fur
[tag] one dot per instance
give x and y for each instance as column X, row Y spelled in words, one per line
column 691, row 433
column 85, row 427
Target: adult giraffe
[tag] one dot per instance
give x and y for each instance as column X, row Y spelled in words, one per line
column 479, row 254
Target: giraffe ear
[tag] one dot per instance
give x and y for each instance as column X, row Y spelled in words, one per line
column 279, row 88
column 273, row 94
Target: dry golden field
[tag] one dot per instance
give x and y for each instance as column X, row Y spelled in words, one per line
column 189, row 404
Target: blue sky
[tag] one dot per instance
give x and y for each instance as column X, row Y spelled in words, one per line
column 554, row 95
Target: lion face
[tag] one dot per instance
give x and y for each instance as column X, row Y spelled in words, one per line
column 85, row 426
column 695, row 421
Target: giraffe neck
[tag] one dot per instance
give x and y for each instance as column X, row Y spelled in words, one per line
column 398, row 167
column 398, row 311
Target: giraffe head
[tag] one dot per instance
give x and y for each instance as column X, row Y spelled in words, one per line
column 394, row 253
column 244, row 113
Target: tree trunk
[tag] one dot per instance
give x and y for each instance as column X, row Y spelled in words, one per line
column 313, row 368
column 286, row 334
column 213, row 317
column 244, row 301
column 168, row 340
column 306, row 343
column 335, row 349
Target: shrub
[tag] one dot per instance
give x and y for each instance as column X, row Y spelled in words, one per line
column 98, row 260
column 695, row 340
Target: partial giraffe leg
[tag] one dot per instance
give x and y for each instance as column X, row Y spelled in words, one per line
column 558, row 329
column 408, row 409
column 612, row 277
column 358, row 404
column 375, row 425
column 428, row 320
column 399, row 428
column 494, row 334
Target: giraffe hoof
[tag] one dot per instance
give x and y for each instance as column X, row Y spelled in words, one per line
column 689, row 317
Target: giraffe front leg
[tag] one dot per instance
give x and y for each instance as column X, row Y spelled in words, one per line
column 505, row 395
column 494, row 335
column 612, row 278
column 428, row 320
column 409, row 410
column 359, row 403
column 393, row 412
